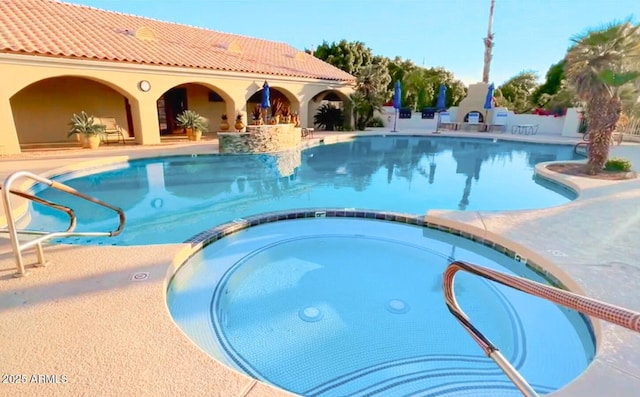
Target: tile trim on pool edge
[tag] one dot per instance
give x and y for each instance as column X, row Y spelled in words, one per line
column 216, row 233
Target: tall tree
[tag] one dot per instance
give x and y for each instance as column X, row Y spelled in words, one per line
column 418, row 90
column 398, row 69
column 347, row 56
column 552, row 84
column 602, row 65
column 372, row 91
column 517, row 91
column 488, row 46
column 456, row 90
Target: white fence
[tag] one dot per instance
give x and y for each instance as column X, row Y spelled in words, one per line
column 632, row 127
column 548, row 125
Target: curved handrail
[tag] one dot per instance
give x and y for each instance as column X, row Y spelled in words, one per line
column 65, row 209
column 579, row 144
column 617, row 315
column 74, row 192
column 13, row 233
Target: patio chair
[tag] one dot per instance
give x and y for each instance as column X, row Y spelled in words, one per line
column 307, row 132
column 112, row 128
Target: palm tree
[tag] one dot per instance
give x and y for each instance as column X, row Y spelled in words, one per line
column 602, row 66
column 416, row 89
column 488, row 45
column 371, row 92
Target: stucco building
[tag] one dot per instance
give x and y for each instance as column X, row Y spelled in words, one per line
column 57, row 59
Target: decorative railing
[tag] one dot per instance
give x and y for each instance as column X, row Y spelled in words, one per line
column 592, row 307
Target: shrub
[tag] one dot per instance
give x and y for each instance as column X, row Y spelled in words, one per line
column 375, row 122
column 328, row 117
column 618, row 164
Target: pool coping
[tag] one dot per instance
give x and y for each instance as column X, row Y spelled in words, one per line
column 615, row 369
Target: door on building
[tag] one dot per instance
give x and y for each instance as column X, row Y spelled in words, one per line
column 170, row 105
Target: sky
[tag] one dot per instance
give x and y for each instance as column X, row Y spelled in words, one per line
column 529, row 35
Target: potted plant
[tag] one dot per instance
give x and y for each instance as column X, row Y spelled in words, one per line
column 224, row 125
column 256, row 114
column 192, row 123
column 239, row 124
column 276, row 110
column 87, row 129
column 286, row 115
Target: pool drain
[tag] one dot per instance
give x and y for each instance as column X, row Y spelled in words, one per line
column 139, row 276
column 310, row 314
column 397, row 306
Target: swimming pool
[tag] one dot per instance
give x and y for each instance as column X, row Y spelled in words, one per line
column 179, row 196
column 335, row 307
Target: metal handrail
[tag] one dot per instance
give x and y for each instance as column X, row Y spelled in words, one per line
column 65, row 209
column 617, row 315
column 37, row 242
column 579, row 144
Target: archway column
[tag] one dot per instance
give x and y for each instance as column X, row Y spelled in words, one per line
column 310, row 108
column 10, row 143
column 144, row 113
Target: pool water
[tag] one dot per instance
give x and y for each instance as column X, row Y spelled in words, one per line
column 178, row 197
column 352, row 307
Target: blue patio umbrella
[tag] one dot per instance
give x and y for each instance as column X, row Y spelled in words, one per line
column 397, row 102
column 397, row 95
column 266, row 101
column 441, row 105
column 442, row 98
column 488, row 102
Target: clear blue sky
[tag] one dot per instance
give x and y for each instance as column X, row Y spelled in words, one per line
column 529, row 34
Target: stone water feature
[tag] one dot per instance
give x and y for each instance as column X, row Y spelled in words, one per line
column 260, row 139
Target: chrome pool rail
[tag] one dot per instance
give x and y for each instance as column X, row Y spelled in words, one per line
column 44, row 235
column 614, row 314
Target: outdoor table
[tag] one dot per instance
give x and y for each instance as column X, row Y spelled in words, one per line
column 307, row 132
column 525, row 129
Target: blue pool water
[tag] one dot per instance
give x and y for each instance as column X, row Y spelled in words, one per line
column 352, row 307
column 178, row 197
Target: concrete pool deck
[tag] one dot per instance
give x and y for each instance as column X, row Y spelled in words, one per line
column 85, row 317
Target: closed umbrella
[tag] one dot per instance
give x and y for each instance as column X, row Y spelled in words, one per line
column 442, row 98
column 488, row 102
column 266, row 101
column 441, row 105
column 397, row 102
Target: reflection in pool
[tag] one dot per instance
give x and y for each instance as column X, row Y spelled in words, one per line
column 178, row 197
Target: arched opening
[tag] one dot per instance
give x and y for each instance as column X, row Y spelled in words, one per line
column 282, row 103
column 42, row 110
column 480, row 116
column 327, row 110
column 209, row 102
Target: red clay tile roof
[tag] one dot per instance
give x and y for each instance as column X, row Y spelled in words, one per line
column 53, row 28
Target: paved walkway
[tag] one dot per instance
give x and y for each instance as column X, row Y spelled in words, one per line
column 86, row 321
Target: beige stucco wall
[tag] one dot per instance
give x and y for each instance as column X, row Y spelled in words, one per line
column 474, row 101
column 21, row 71
column 198, row 101
column 54, row 101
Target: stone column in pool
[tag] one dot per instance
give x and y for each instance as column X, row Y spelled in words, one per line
column 260, row 139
